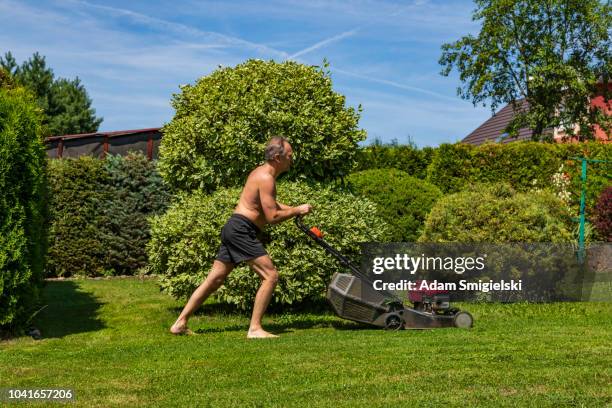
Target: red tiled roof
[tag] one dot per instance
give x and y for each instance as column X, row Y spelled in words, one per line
column 494, row 127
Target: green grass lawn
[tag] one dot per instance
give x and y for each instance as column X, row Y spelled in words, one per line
column 108, row 340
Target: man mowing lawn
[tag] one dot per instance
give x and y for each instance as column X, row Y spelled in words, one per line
column 239, row 237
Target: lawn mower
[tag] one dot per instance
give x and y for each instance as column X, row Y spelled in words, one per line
column 353, row 297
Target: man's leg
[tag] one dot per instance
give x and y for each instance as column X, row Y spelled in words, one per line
column 264, row 267
column 213, row 281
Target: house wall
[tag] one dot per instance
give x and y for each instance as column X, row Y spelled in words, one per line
column 600, row 102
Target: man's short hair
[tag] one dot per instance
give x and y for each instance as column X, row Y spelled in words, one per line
column 276, row 145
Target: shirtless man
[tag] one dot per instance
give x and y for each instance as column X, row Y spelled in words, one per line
column 239, row 243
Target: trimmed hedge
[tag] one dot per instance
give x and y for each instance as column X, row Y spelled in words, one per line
column 223, row 121
column 77, row 242
column 186, row 238
column 496, row 213
column 451, row 167
column 99, row 211
column 403, row 201
column 523, row 165
column 407, row 158
column 23, row 207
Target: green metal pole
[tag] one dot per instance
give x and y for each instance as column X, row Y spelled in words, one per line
column 581, row 243
column 582, row 206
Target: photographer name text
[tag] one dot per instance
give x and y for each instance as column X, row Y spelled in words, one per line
column 463, row 285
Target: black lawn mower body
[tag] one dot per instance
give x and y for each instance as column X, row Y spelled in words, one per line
column 353, row 297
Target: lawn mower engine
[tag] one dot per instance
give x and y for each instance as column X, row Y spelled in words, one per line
column 431, row 301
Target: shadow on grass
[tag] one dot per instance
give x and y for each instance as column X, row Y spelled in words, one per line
column 309, row 314
column 284, row 319
column 69, row 310
column 212, row 307
column 289, row 326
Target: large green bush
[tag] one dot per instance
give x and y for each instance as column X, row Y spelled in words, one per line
column 223, row 121
column 496, row 213
column 403, row 201
column 99, row 211
column 22, row 206
column 523, row 235
column 185, row 240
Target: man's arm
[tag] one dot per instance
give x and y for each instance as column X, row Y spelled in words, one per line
column 274, row 211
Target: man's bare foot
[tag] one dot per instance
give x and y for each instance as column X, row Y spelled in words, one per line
column 260, row 334
column 180, row 327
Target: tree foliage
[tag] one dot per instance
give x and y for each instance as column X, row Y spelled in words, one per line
column 23, row 206
column 137, row 192
column 65, row 102
column 223, row 121
column 6, row 79
column 550, row 54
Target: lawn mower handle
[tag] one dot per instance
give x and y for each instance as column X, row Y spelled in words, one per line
column 319, row 240
column 343, row 260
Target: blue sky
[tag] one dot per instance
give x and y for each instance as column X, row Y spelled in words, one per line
column 132, row 55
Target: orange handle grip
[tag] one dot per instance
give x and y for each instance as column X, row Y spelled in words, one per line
column 317, row 232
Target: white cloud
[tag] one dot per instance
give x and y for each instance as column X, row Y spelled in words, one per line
column 213, row 38
column 398, row 85
column 323, row 43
